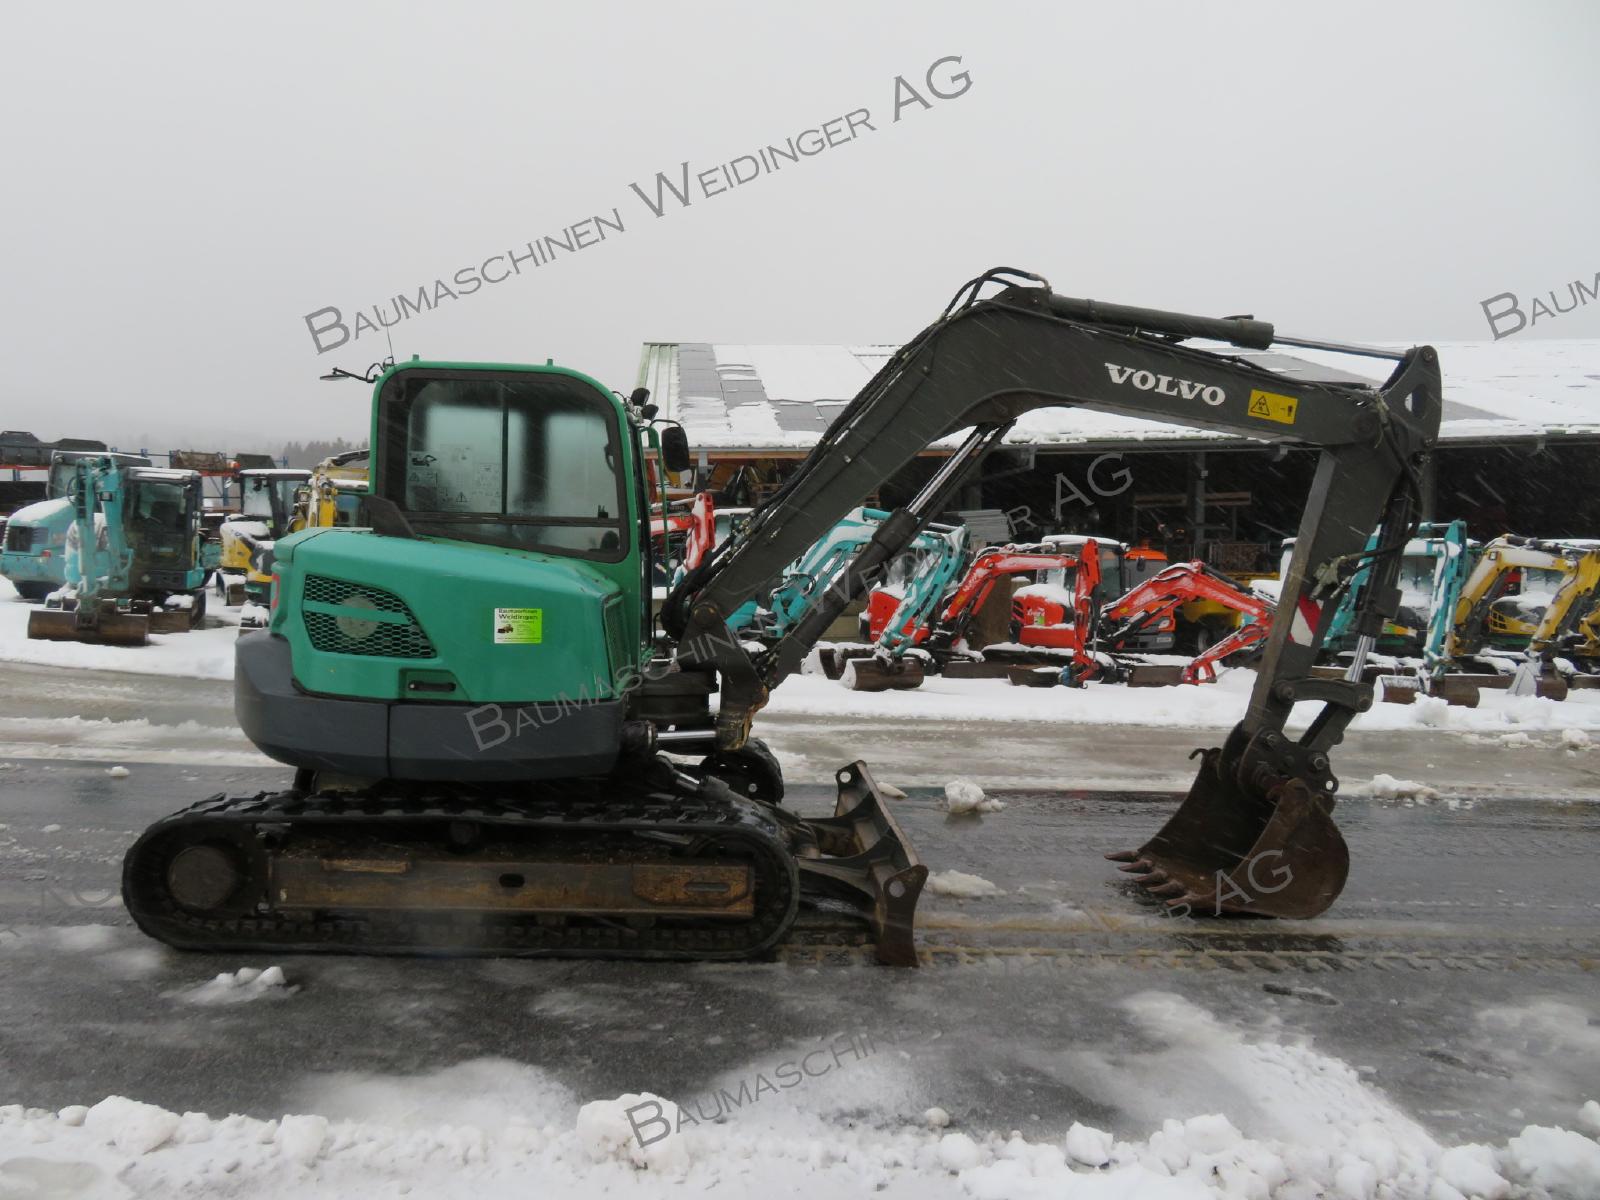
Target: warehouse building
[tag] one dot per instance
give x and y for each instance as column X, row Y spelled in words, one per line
column 1519, row 447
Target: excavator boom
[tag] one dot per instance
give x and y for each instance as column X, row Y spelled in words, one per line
column 984, row 363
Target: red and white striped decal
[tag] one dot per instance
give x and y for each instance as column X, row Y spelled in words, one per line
column 1304, row 626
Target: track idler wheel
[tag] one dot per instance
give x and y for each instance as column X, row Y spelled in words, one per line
column 1226, row 851
column 752, row 771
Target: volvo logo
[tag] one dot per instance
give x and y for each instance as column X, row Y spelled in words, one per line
column 1166, row 385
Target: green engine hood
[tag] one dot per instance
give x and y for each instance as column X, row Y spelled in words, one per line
column 440, row 621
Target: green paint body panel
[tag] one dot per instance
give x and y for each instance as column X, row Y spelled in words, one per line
column 442, row 628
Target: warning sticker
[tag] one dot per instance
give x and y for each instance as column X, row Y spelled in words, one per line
column 518, row 626
column 1270, row 406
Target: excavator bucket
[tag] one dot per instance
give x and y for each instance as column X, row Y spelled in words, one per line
column 1225, row 851
column 863, row 858
column 877, row 675
column 834, row 659
column 109, row 628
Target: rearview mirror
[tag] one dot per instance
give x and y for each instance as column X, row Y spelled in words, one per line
column 675, row 455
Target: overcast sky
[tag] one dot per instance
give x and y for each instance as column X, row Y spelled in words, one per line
column 182, row 185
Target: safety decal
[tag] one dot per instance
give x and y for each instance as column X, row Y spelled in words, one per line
column 1270, row 406
column 1304, row 625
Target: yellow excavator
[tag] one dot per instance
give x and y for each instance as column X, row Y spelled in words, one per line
column 331, row 498
column 265, row 509
column 1553, row 624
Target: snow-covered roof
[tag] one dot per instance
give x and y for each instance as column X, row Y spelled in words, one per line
column 781, row 398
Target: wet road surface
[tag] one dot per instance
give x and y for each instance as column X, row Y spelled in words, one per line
column 1458, row 973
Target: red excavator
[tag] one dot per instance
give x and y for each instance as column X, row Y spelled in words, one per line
column 1153, row 603
column 939, row 625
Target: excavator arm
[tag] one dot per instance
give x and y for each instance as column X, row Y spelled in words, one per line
column 987, row 361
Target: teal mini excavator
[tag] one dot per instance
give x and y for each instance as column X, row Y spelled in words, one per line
column 496, row 753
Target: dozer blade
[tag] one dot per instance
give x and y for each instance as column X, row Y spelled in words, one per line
column 1460, row 690
column 862, row 857
column 1225, row 851
column 997, row 668
column 107, row 629
column 876, row 675
column 171, row 621
column 1154, row 675
column 1041, row 677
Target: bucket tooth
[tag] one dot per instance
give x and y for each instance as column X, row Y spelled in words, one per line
column 1127, row 856
column 1278, row 856
column 1153, row 880
column 1169, row 889
column 1138, row 866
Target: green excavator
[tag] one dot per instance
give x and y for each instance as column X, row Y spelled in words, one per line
column 495, row 752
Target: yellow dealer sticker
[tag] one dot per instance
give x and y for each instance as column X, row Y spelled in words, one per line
column 518, row 626
column 1270, row 406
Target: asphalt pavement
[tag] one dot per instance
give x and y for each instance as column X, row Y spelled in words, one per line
column 1457, row 973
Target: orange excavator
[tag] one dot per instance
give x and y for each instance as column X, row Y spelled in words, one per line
column 1153, row 603
column 1044, row 619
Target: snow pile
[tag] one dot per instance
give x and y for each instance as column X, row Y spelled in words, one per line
column 961, row 885
column 1217, row 705
column 241, row 987
column 1270, row 1119
column 117, row 772
column 200, row 653
column 1387, row 787
column 1576, row 739
column 964, row 796
column 638, row 1129
column 1089, row 1146
column 130, row 1126
column 1559, row 1161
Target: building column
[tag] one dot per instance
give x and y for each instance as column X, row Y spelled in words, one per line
column 1197, row 500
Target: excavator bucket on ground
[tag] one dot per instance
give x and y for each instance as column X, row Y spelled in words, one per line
column 1225, row 851
column 108, row 627
column 882, row 675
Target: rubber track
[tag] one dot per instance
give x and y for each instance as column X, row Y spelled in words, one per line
column 595, row 818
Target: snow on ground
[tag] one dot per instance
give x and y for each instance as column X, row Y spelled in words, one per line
column 1196, row 706
column 961, row 885
column 1256, row 1115
column 136, row 741
column 239, row 987
column 208, row 654
column 200, row 654
column 1387, row 787
column 964, row 796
